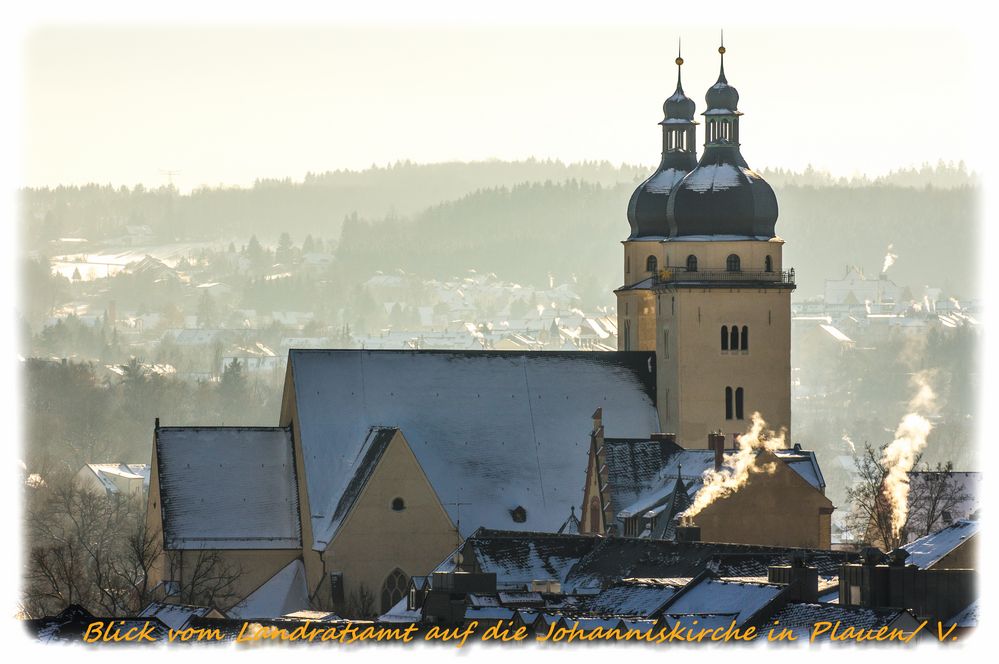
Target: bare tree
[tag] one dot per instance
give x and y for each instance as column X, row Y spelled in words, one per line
column 93, row 549
column 360, row 603
column 936, row 496
column 870, row 518
column 205, row 578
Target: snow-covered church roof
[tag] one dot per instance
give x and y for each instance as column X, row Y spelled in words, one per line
column 228, row 488
column 493, row 431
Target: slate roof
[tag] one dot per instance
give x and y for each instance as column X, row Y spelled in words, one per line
column 228, row 488
column 801, row 617
column 174, row 616
column 492, row 430
column 708, row 595
column 930, row 549
column 590, row 564
column 629, row 599
column 642, row 478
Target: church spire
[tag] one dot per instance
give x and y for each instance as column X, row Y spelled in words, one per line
column 647, row 207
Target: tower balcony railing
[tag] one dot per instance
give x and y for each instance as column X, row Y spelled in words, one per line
column 674, row 276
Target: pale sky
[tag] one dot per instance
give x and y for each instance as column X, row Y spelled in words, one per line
column 227, row 105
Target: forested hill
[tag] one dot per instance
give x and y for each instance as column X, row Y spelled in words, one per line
column 575, row 228
column 523, row 220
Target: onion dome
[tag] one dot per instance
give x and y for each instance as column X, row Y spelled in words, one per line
column 647, row 207
column 721, row 95
column 722, row 195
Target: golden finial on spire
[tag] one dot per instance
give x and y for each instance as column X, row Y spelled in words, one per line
column 679, row 53
column 721, row 49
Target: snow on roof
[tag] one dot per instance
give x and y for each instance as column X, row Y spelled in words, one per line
column 717, row 177
column 630, row 600
column 835, row 333
column 174, row 616
column 930, row 549
column 801, row 617
column 285, row 592
column 401, row 614
column 805, row 463
column 492, row 430
column 966, row 618
column 717, row 596
column 228, row 488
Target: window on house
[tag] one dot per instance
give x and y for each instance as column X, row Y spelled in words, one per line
column 768, row 264
column 724, row 337
column 666, row 344
column 728, row 403
column 745, row 337
column 394, row 589
column 518, row 514
column 738, row 403
column 651, row 264
column 732, row 263
column 691, row 263
column 398, row 504
column 734, row 338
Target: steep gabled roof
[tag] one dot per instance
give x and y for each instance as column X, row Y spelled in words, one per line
column 228, row 488
column 493, row 431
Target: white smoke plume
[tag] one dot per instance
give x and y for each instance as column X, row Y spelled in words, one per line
column 737, row 466
column 848, row 441
column 900, row 455
column 889, row 259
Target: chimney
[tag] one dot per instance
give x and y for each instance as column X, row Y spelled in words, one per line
column 716, row 442
column 802, row 580
column 598, row 417
column 686, row 531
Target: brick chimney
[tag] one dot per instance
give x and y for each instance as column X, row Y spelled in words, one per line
column 716, row 442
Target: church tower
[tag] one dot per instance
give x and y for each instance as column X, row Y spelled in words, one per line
column 714, row 300
column 643, row 252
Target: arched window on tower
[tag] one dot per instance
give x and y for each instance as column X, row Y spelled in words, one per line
column 724, row 337
column 692, row 263
column 738, row 403
column 394, row 589
column 745, row 338
column 728, row 403
column 732, row 263
column 734, row 339
column 768, row 264
column 651, row 264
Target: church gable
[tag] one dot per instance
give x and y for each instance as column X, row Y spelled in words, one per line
column 389, row 522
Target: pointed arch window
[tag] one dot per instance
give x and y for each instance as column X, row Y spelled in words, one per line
column 745, row 338
column 651, row 264
column 768, row 264
column 394, row 589
column 692, row 263
column 724, row 337
column 738, row 403
column 733, row 264
column 734, row 338
column 728, row 403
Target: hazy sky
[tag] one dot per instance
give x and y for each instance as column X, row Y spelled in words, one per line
column 231, row 104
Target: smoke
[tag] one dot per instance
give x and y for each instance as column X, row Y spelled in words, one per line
column 889, row 259
column 853, row 448
column 900, row 455
column 737, row 466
